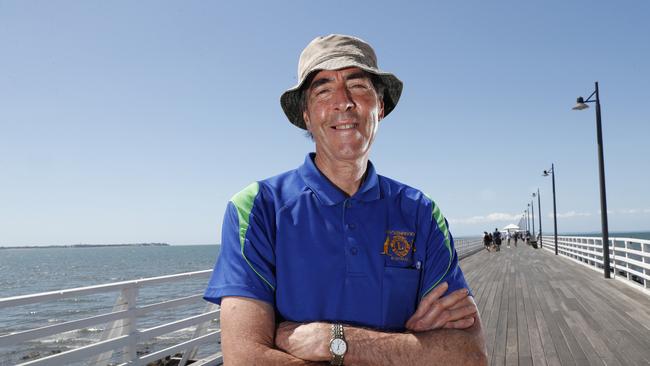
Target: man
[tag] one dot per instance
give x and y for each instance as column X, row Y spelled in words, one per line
column 497, row 238
column 331, row 262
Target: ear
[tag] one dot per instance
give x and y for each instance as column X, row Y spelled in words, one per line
column 305, row 117
column 380, row 114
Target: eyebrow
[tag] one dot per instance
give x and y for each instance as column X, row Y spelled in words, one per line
column 353, row 76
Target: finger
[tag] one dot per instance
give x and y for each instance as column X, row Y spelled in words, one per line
column 453, row 298
column 438, row 313
column 460, row 324
column 427, row 301
column 464, row 302
column 453, row 315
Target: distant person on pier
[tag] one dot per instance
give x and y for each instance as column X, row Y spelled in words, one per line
column 508, row 236
column 496, row 236
column 527, row 237
column 487, row 240
column 516, row 237
column 332, row 262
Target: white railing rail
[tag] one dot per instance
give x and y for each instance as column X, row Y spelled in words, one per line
column 121, row 333
column 629, row 258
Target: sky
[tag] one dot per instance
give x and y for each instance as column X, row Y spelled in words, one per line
column 129, row 122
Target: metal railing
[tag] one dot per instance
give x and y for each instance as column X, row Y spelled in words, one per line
column 127, row 326
column 468, row 246
column 629, row 258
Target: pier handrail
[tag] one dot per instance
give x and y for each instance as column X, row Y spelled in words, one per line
column 629, row 257
column 121, row 331
column 468, row 246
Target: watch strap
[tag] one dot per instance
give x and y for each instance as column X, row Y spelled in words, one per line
column 337, row 333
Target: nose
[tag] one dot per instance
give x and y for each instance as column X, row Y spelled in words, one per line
column 343, row 99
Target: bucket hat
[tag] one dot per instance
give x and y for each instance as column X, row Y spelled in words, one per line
column 335, row 52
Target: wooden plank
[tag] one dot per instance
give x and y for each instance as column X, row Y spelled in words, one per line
column 493, row 317
column 536, row 350
column 499, row 352
column 512, row 351
column 523, row 343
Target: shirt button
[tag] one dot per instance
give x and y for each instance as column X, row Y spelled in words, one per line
column 351, row 226
column 348, row 204
column 353, row 251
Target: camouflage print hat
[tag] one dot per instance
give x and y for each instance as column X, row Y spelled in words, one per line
column 335, row 52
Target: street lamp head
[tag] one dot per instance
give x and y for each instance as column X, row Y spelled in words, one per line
column 534, row 195
column 580, row 104
column 545, row 174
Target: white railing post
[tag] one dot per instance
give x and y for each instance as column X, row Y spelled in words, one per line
column 614, row 256
column 200, row 330
column 120, row 327
column 130, row 328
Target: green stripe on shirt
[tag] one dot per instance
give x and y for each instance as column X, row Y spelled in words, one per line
column 243, row 201
column 439, row 219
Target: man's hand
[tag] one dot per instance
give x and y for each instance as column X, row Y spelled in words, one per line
column 308, row 341
column 455, row 310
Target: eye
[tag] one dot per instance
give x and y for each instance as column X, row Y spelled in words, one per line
column 359, row 86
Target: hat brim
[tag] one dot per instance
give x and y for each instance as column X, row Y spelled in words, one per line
column 290, row 99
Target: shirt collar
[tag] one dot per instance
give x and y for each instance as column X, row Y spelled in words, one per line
column 328, row 193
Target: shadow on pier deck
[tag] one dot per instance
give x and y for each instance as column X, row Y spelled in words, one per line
column 539, row 309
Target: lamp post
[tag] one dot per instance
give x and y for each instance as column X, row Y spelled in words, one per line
column 523, row 219
column 552, row 170
column 532, row 214
column 528, row 218
column 580, row 105
column 539, row 211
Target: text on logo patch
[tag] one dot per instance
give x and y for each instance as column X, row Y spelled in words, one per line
column 398, row 244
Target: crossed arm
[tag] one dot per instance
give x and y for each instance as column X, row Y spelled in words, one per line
column 443, row 330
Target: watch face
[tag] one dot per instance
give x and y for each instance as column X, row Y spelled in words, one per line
column 338, row 346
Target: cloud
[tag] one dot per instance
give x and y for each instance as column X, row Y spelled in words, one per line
column 633, row 211
column 627, row 211
column 493, row 217
column 570, row 214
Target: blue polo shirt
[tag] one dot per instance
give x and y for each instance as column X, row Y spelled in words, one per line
column 299, row 243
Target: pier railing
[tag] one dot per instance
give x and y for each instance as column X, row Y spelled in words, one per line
column 468, row 246
column 129, row 332
column 128, row 336
column 629, row 258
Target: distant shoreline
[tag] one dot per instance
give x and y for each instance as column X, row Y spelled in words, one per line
column 88, row 246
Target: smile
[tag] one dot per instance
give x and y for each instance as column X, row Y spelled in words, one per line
column 346, row 126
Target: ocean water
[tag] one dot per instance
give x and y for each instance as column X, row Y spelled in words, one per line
column 28, row 271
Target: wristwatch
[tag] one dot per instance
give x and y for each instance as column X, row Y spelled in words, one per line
column 338, row 346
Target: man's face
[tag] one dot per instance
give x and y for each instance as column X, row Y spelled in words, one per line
column 343, row 112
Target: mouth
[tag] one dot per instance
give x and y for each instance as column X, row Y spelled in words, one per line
column 347, row 126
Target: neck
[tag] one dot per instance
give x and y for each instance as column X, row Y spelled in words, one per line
column 346, row 175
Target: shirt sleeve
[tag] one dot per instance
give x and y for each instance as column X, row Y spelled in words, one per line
column 441, row 261
column 246, row 263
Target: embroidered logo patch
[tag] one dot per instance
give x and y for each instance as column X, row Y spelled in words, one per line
column 398, row 245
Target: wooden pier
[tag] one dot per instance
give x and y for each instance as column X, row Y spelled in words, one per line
column 542, row 309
